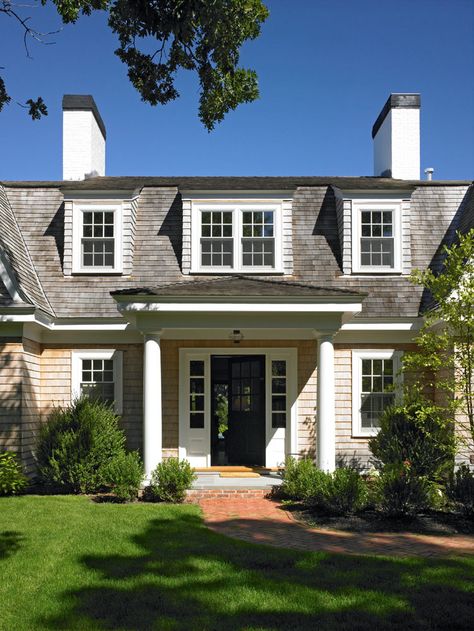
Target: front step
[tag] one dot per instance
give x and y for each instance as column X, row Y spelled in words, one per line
column 194, row 496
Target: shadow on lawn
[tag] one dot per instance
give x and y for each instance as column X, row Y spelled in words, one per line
column 10, row 542
column 188, row 577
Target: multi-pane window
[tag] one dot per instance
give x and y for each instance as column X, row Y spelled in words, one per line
column 376, row 391
column 217, row 242
column 97, row 379
column 377, row 238
column 196, row 394
column 376, row 380
column 98, row 239
column 258, row 243
column 279, row 393
column 98, row 374
column 238, row 238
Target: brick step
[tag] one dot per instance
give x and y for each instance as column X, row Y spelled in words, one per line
column 193, row 496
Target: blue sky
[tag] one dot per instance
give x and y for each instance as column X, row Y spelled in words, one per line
column 326, row 68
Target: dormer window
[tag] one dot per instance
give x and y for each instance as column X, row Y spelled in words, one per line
column 243, row 237
column 376, row 240
column 97, row 238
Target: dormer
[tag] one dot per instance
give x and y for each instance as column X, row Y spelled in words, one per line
column 248, row 233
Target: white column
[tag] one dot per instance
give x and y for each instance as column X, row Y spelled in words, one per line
column 152, row 408
column 326, row 436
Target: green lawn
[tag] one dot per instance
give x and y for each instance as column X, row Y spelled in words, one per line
column 68, row 563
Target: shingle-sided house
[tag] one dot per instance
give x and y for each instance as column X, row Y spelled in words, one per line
column 231, row 320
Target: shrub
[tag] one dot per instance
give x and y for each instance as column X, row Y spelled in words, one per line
column 170, row 480
column 12, row 480
column 341, row 492
column 124, row 475
column 400, row 492
column 76, row 445
column 416, row 432
column 460, row 489
column 301, row 478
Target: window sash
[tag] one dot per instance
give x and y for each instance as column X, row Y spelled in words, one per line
column 98, row 373
column 375, row 386
column 377, row 236
column 255, row 238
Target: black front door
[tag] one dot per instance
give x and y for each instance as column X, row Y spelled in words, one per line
column 245, row 437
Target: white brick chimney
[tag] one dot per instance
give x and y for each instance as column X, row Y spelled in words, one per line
column 396, row 135
column 83, row 138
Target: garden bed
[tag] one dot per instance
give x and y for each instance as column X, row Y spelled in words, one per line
column 429, row 523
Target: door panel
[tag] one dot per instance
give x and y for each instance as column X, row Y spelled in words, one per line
column 246, row 434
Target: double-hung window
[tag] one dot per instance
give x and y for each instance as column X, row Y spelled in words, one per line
column 236, row 238
column 98, row 375
column 97, row 238
column 376, row 242
column 375, row 377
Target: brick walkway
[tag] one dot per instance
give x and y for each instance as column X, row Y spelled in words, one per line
column 260, row 520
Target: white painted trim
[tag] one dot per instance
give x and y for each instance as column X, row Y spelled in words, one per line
column 241, row 307
column 236, row 207
column 357, row 357
column 78, row 208
column 359, row 205
column 76, row 366
column 270, row 353
column 413, row 325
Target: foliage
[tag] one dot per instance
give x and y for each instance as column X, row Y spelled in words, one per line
column 341, row 492
column 417, row 432
column 460, row 489
column 12, row 479
column 301, row 478
column 204, row 36
column 400, row 492
column 170, row 480
column 222, row 412
column 76, row 445
column 124, row 475
column 445, row 359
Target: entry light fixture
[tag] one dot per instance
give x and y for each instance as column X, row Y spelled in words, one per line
column 236, row 336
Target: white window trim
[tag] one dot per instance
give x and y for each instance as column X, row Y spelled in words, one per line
column 76, row 368
column 359, row 205
column 357, row 357
column 77, row 212
column 236, row 208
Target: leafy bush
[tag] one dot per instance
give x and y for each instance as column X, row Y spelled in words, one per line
column 76, row 445
column 170, row 480
column 460, row 489
column 301, row 478
column 346, row 492
column 416, row 432
column 12, row 480
column 341, row 492
column 124, row 475
column 400, row 492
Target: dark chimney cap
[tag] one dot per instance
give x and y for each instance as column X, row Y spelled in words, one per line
column 84, row 102
column 394, row 101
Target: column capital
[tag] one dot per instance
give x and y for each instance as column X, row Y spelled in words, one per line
column 153, row 335
column 324, row 336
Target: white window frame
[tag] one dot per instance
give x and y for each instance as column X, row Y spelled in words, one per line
column 358, row 206
column 78, row 210
column 357, row 356
column 236, row 208
column 76, row 372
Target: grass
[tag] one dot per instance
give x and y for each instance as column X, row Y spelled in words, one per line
column 69, row 563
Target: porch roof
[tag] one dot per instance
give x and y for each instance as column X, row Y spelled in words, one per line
column 239, row 287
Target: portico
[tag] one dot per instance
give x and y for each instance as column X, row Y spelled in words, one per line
column 232, row 318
